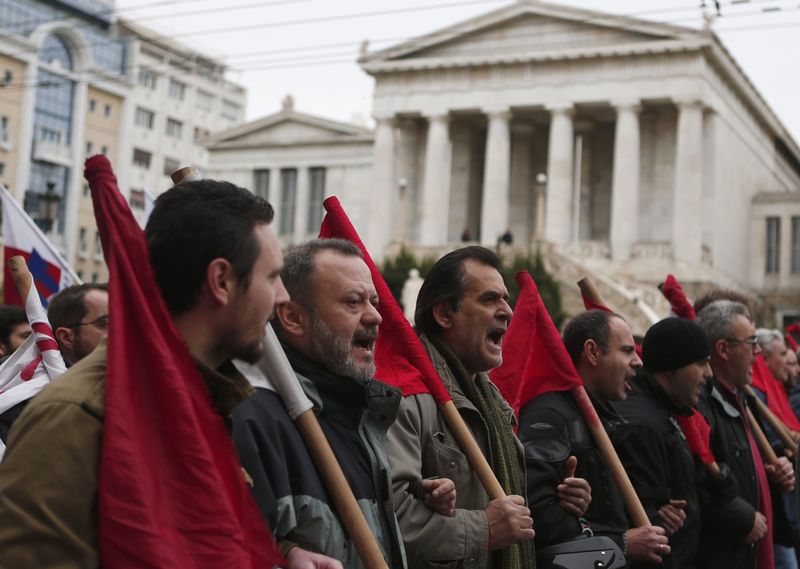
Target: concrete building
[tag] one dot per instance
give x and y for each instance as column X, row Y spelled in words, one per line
column 76, row 81
column 621, row 148
column 295, row 160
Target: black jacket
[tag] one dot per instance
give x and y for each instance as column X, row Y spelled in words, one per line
column 354, row 417
column 551, row 429
column 729, row 506
column 656, row 457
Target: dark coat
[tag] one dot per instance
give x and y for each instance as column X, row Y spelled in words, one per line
column 552, row 428
column 656, row 456
column 728, row 507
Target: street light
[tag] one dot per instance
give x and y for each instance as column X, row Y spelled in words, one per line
column 48, row 207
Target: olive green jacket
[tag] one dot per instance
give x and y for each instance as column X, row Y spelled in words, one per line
column 420, row 445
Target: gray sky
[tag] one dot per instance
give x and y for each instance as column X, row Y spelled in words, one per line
column 270, row 58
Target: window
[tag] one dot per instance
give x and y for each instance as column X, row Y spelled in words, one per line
column 144, row 118
column 86, row 190
column 261, row 183
column 170, row 166
column 773, row 245
column 137, row 199
column 795, row 244
column 204, row 101
column 177, row 90
column 94, row 277
column 80, row 275
column 200, row 134
column 141, row 158
column 104, row 150
column 2, row 168
column 82, row 241
column 147, row 79
column 89, row 148
column 50, row 135
column 107, row 110
column 4, row 129
column 316, row 195
column 92, row 105
column 98, row 246
column 230, row 111
column 174, row 128
column 288, row 200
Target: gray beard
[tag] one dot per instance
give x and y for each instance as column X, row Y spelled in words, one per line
column 334, row 352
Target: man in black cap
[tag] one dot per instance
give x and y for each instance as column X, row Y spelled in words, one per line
column 651, row 445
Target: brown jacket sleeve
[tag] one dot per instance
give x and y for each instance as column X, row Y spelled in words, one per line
column 431, row 539
column 48, row 488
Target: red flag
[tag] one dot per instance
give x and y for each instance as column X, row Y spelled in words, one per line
column 171, row 490
column 791, row 339
column 399, row 356
column 673, row 292
column 535, row 360
column 777, row 400
column 698, row 435
column 590, row 304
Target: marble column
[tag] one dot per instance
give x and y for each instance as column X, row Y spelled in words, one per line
column 496, row 178
column 625, row 181
column 687, row 231
column 436, row 183
column 383, row 198
column 301, row 204
column 559, row 175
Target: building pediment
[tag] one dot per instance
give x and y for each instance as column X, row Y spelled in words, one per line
column 288, row 128
column 528, row 30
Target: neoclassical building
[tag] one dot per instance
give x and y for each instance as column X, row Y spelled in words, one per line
column 622, row 148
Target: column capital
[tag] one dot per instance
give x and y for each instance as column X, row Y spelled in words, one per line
column 385, row 119
column 498, row 113
column 688, row 102
column 565, row 108
column 630, row 105
column 440, row 117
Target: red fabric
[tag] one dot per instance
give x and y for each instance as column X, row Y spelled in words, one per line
column 793, row 335
column 681, row 306
column 535, row 360
column 792, row 342
column 171, row 490
column 589, row 304
column 698, row 433
column 399, row 356
column 777, row 400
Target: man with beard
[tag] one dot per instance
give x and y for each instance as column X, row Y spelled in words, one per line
column 651, row 444
column 553, row 431
column 328, row 330
column 217, row 263
column 79, row 318
column 736, row 510
column 462, row 314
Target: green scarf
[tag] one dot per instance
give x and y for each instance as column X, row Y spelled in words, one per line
column 505, row 462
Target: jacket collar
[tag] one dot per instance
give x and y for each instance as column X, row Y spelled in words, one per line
column 649, row 386
column 724, row 397
column 227, row 386
column 449, row 380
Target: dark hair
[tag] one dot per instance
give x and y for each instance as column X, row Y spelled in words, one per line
column 446, row 282
column 196, row 222
column 67, row 307
column 298, row 266
column 590, row 325
column 10, row 317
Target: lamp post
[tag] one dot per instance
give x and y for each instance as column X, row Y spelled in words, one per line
column 48, row 207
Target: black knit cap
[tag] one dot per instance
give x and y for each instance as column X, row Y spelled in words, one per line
column 674, row 343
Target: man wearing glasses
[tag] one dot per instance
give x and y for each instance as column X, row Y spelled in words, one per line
column 736, row 508
column 79, row 318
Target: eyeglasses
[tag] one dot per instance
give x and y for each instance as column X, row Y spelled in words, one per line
column 101, row 323
column 750, row 341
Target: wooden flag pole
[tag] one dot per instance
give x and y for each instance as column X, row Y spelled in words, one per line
column 285, row 383
column 590, row 291
column 773, row 421
column 466, row 441
column 766, row 448
column 21, row 275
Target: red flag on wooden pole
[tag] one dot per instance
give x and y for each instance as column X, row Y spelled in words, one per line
column 171, row 490
column 673, row 292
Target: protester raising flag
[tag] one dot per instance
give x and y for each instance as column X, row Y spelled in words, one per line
column 36, row 362
column 171, row 491
column 547, row 368
column 400, row 358
column 22, row 237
